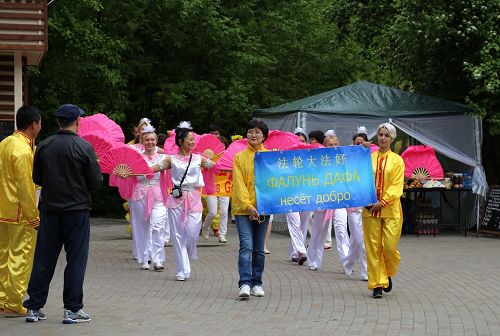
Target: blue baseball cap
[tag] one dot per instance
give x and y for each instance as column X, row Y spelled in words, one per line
column 69, row 112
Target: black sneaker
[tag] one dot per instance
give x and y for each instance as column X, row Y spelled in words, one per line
column 302, row 260
column 377, row 293
column 389, row 287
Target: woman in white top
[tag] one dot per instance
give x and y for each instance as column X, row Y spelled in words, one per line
column 184, row 203
column 148, row 214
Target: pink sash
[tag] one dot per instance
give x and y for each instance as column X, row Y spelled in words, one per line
column 191, row 200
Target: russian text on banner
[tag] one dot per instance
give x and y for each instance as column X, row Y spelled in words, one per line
column 314, row 179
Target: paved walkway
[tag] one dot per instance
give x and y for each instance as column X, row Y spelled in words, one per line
column 448, row 285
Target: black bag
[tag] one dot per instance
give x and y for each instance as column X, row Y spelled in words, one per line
column 176, row 190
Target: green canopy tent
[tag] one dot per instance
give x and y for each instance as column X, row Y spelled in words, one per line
column 449, row 127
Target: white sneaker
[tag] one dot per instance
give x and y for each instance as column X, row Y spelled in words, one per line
column 205, row 232
column 180, row 278
column 313, row 268
column 145, row 266
column 347, row 269
column 35, row 315
column 257, row 291
column 244, row 292
column 364, row 277
column 222, row 239
column 78, row 317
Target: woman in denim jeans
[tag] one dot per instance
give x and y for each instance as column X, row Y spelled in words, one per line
column 250, row 225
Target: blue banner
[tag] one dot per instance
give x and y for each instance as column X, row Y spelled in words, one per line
column 314, row 179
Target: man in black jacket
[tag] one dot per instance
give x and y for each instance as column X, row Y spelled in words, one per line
column 65, row 167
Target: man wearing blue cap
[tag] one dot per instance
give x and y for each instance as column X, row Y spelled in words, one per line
column 65, row 167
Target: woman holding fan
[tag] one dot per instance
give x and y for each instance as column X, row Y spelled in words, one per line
column 138, row 145
column 184, row 203
column 147, row 210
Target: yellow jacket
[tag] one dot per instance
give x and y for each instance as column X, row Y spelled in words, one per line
column 388, row 169
column 17, row 190
column 244, row 181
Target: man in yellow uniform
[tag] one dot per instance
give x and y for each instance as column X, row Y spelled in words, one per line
column 382, row 222
column 19, row 215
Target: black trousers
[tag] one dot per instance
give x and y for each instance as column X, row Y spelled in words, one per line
column 68, row 228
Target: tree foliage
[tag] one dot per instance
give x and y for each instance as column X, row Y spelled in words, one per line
column 206, row 61
column 445, row 49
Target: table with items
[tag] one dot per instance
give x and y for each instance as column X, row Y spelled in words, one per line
column 421, row 217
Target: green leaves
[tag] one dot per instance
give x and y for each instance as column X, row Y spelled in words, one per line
column 216, row 61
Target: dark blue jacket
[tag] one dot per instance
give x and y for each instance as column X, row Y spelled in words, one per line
column 66, row 168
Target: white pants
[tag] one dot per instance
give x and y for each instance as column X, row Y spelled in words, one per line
column 340, row 230
column 148, row 234
column 212, row 212
column 166, row 231
column 339, row 221
column 328, row 240
column 133, row 232
column 184, row 234
column 319, row 230
column 357, row 244
column 298, row 222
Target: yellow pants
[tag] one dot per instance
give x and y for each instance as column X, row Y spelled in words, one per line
column 381, row 243
column 17, row 250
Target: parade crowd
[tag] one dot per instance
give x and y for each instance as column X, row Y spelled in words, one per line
column 45, row 203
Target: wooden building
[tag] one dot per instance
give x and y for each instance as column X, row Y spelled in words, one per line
column 23, row 42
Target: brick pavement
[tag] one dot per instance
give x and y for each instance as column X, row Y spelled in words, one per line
column 448, row 285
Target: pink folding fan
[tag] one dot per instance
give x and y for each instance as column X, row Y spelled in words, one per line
column 226, row 160
column 279, row 140
column 101, row 145
column 209, row 146
column 421, row 162
column 102, row 125
column 124, row 160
